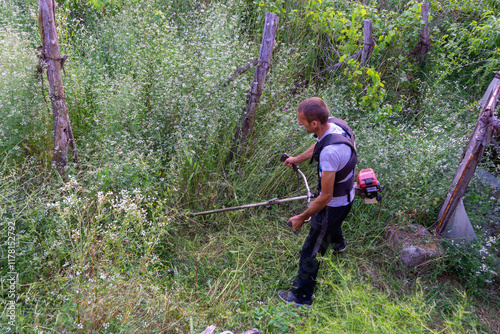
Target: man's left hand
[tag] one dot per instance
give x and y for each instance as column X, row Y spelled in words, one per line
column 297, row 222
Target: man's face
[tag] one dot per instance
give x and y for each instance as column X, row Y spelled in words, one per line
column 309, row 127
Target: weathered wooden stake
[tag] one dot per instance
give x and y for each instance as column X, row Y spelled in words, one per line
column 369, row 42
column 364, row 54
column 472, row 155
column 51, row 55
column 425, row 41
column 253, row 97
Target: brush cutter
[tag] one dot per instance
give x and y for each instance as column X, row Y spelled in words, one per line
column 270, row 202
column 367, row 187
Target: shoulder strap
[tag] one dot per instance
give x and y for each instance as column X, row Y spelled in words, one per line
column 343, row 125
column 331, row 139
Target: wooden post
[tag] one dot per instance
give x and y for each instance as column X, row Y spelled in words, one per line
column 425, row 41
column 253, row 97
column 472, row 155
column 63, row 134
column 364, row 54
column 369, row 42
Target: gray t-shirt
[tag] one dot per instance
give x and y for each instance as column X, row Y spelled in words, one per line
column 332, row 159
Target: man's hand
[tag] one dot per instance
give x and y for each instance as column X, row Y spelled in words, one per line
column 291, row 161
column 327, row 181
column 300, row 158
column 297, row 222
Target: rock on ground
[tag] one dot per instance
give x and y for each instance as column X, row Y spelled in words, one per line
column 416, row 245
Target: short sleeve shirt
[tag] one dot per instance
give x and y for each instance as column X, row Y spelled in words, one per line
column 332, row 159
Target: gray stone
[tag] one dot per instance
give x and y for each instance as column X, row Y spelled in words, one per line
column 416, row 245
column 412, row 256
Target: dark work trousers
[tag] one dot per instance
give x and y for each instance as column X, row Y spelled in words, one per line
column 325, row 230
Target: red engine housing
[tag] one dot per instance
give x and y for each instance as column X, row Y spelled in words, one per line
column 368, row 183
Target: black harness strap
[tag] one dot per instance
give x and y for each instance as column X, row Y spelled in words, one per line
column 343, row 125
column 339, row 188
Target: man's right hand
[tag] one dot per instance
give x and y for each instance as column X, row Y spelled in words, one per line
column 291, row 161
column 307, row 155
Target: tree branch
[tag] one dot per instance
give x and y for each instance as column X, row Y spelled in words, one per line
column 239, row 71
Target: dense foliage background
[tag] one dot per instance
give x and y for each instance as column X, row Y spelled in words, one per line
column 106, row 248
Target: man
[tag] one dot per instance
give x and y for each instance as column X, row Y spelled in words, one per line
column 336, row 156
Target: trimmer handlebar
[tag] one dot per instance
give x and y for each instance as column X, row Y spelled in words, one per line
column 285, row 156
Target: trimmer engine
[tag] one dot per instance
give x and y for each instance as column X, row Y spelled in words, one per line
column 368, row 186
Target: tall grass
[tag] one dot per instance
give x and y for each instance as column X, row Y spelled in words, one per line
column 26, row 118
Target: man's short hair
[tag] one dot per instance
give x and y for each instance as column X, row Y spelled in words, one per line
column 314, row 109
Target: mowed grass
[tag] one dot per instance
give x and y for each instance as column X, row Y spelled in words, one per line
column 166, row 272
